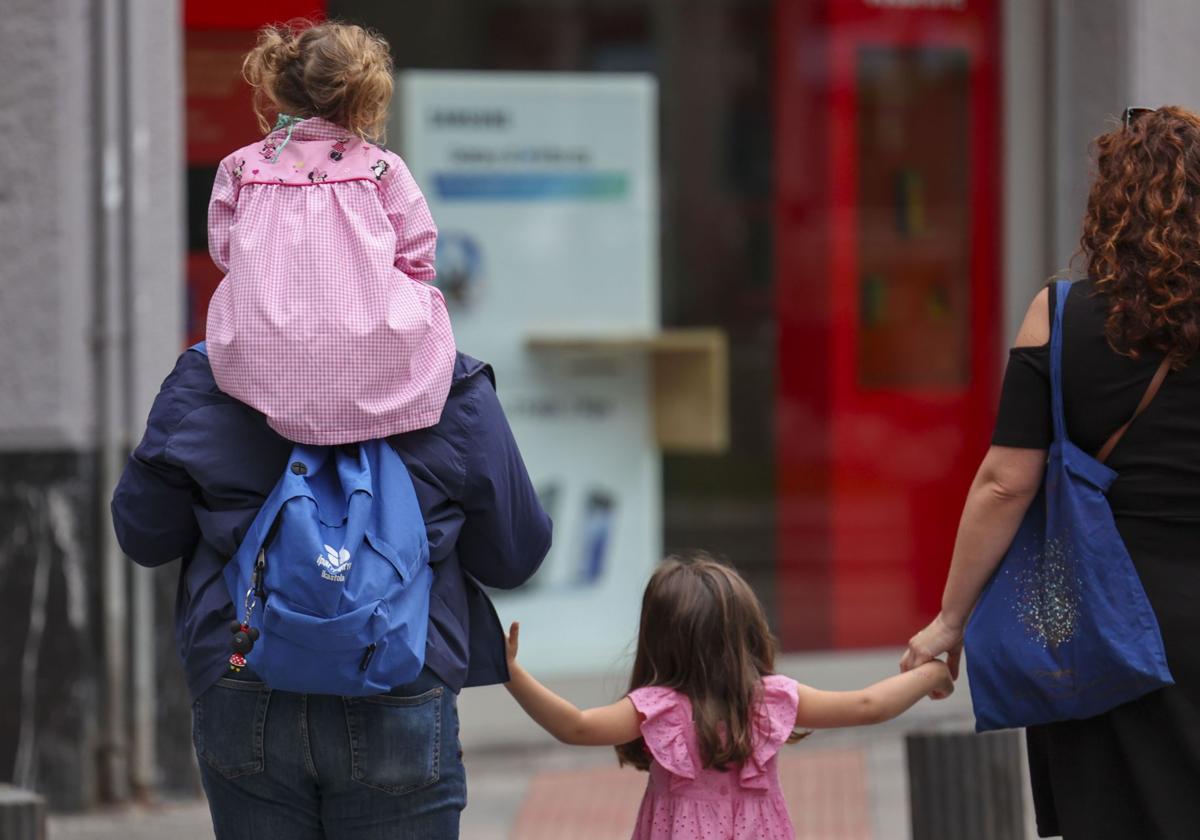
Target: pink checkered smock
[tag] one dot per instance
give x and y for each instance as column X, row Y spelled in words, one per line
column 325, row 320
column 687, row 801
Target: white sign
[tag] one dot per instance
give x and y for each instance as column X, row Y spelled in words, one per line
column 545, row 192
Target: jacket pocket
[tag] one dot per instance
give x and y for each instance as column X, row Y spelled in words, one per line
column 395, row 742
column 228, row 721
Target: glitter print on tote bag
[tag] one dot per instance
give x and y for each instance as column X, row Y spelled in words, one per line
column 1064, row 631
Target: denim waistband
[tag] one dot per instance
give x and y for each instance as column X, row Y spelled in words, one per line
column 425, row 681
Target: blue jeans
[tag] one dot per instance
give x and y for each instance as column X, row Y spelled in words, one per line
column 318, row 767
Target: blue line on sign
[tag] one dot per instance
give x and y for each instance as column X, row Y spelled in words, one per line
column 531, row 186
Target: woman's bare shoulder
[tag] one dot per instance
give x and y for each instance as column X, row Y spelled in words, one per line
column 1035, row 329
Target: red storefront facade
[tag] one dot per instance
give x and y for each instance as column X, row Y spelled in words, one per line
column 888, row 296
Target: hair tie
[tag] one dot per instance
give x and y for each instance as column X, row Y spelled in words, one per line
column 285, row 121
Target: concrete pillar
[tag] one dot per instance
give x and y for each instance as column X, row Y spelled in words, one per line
column 1092, row 74
column 91, row 226
column 1162, row 54
column 48, row 517
column 1025, row 72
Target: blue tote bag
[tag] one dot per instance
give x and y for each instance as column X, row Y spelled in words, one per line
column 1063, row 630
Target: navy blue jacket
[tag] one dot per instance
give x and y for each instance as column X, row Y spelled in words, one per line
column 207, row 462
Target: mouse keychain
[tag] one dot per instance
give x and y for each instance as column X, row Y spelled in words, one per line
column 244, row 636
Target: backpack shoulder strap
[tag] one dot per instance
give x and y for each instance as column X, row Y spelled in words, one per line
column 1151, row 392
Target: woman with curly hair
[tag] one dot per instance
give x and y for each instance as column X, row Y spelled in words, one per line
column 1132, row 772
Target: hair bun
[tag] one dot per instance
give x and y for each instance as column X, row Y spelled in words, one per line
column 276, row 47
column 337, row 71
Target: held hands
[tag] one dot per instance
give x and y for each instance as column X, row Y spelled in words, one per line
column 940, row 637
column 944, row 680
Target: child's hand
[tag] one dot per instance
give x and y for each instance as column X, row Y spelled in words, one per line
column 945, row 681
column 510, row 644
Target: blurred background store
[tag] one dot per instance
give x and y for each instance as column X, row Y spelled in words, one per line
column 858, row 196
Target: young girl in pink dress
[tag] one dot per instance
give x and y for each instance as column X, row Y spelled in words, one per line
column 706, row 714
column 325, row 320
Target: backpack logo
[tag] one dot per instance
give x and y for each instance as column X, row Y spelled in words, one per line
column 334, row 564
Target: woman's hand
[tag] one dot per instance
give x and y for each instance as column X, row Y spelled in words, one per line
column 510, row 643
column 940, row 637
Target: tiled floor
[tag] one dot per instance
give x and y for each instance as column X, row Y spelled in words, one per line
column 592, row 804
column 826, row 792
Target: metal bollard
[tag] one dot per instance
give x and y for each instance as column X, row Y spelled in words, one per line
column 963, row 785
column 22, row 814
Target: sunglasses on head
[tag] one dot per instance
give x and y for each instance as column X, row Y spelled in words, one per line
column 1134, row 113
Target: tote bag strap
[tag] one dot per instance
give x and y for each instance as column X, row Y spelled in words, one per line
column 1147, row 398
column 1061, row 290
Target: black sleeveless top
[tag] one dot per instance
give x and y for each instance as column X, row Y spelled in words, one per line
column 1134, row 771
column 1158, row 460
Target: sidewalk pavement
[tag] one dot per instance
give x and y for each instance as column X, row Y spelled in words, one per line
column 840, row 785
column 834, row 792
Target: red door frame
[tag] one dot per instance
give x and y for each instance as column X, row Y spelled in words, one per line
column 240, row 14
column 864, row 539
column 219, row 115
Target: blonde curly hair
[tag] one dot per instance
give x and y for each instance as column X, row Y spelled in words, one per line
column 336, row 71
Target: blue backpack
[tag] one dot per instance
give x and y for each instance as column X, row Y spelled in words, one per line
column 331, row 582
column 1064, row 630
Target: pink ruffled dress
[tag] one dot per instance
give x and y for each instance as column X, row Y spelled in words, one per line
column 686, row 801
column 326, row 321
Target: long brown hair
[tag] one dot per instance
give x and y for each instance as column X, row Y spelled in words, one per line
column 337, row 71
column 704, row 634
column 1141, row 233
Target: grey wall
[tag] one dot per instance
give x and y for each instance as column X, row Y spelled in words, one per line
column 54, row 172
column 91, row 285
column 156, row 199
column 1092, row 77
column 47, row 165
column 1026, row 70
column 1164, row 53
column 48, row 735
